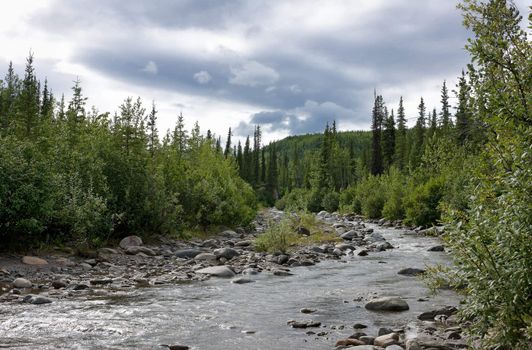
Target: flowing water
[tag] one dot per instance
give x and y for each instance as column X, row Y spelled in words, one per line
column 216, row 314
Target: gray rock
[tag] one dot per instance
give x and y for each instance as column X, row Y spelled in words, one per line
column 36, row 299
column 209, row 257
column 384, row 331
column 227, row 253
column 436, row 248
column 303, row 231
column 250, row 271
column 242, row 280
column 21, row 283
column 411, row 271
column 130, row 241
column 188, row 253
column 394, row 347
column 243, row 243
column 281, row 273
column 134, row 250
column 306, row 310
column 229, row 234
column 304, row 324
column 429, row 315
column 374, row 237
column 32, row 260
column 217, row 271
column 85, row 266
column 317, row 249
column 349, row 235
column 107, row 251
column 367, row 339
column 57, row 284
column 281, row 259
column 101, row 281
column 81, row 286
column 387, row 304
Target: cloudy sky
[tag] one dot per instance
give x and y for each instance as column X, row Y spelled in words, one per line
column 288, row 65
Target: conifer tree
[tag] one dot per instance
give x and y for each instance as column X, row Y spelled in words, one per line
column 401, row 141
column 419, row 135
column 388, row 141
column 247, row 162
column 61, row 112
column 463, row 118
column 7, row 98
column 153, row 136
column 28, row 100
column 239, row 160
column 47, row 104
column 255, row 174
column 445, row 109
column 376, row 127
column 433, row 125
column 180, row 136
column 227, row 150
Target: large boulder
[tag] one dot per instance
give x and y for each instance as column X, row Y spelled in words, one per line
column 411, row 271
column 33, row 260
column 386, row 340
column 429, row 315
column 217, row 271
column 134, row 250
column 387, row 304
column 130, row 241
column 349, row 235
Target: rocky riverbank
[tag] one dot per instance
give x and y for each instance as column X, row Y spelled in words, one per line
column 116, row 271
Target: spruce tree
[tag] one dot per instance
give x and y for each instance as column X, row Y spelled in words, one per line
column 445, row 109
column 463, row 118
column 376, row 167
column 47, row 103
column 433, row 125
column 388, row 141
column 180, row 136
column 239, row 159
column 7, row 98
column 247, row 162
column 28, row 100
column 153, row 136
column 401, row 141
column 227, row 150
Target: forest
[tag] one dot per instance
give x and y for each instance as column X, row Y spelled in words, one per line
column 71, row 174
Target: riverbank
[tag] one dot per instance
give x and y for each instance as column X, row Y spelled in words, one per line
column 134, row 268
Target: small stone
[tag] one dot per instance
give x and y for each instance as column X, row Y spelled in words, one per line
column 227, row 253
column 242, row 280
column 303, row 231
column 36, row 299
column 307, row 324
column 281, row 273
column 359, row 326
column 101, row 281
column 349, row 342
column 307, row 310
column 176, row 347
column 384, row 331
column 138, row 250
column 107, row 251
column 357, row 335
column 209, row 257
column 394, row 347
column 130, row 241
column 188, row 253
column 85, row 266
column 386, row 340
column 367, row 339
column 58, row 284
column 411, row 271
column 21, row 283
column 437, row 248
column 32, row 260
column 81, row 286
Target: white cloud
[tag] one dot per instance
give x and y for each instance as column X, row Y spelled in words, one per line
column 253, row 73
column 151, row 68
column 202, row 77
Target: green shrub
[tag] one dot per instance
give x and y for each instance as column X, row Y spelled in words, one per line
column 297, row 200
column 372, row 196
column 422, row 204
column 277, row 237
column 393, row 208
column 331, row 201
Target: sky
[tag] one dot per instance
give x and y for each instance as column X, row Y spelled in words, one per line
column 290, row 66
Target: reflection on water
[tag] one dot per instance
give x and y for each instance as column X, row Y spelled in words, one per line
column 215, row 314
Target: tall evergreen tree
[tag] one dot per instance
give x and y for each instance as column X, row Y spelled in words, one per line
column 388, row 141
column 463, row 117
column 227, row 150
column 239, row 159
column 376, row 128
column 61, row 111
column 180, row 136
column 433, row 125
column 47, row 103
column 7, row 98
column 247, row 162
column 28, row 100
column 401, row 141
column 257, row 135
column 445, row 108
column 419, row 135
column 153, row 136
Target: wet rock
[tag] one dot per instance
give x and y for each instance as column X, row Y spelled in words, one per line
column 188, row 253
column 227, row 253
column 361, row 252
column 243, row 243
column 242, row 280
column 33, row 260
column 99, row 282
column 317, row 249
column 429, row 315
column 303, row 324
column 349, row 342
column 91, row 262
column 58, row 284
column 21, row 283
column 134, row 250
column 357, row 335
column 281, row 273
column 175, row 347
column 411, row 271
column 307, row 310
column 337, row 252
column 387, row 304
column 386, row 340
column 81, row 286
column 250, row 271
column 436, row 248
column 36, row 299
column 384, row 331
column 130, row 241
column 217, row 271
column 281, row 259
column 359, row 326
column 374, row 237
column 382, row 246
column 229, row 234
